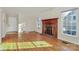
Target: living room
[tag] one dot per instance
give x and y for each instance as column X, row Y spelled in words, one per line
column 39, row 25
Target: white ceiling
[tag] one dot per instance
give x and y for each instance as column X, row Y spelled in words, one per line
column 30, row 11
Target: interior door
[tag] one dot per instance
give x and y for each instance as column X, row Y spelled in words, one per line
column 12, row 24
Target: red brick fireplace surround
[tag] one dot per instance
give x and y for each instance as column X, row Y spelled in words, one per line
column 50, row 26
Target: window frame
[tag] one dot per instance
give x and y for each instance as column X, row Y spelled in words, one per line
column 71, row 25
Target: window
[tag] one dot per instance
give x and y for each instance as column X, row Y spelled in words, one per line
column 38, row 22
column 69, row 23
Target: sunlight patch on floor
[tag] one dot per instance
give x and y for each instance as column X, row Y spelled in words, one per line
column 25, row 45
column 8, row 46
column 42, row 44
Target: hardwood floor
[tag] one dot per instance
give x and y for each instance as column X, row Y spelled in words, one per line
column 57, row 45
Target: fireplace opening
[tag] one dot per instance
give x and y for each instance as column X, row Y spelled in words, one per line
column 48, row 30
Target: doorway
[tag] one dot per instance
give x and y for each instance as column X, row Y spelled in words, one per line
column 12, row 24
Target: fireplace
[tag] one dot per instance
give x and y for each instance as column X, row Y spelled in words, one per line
column 49, row 27
column 48, row 30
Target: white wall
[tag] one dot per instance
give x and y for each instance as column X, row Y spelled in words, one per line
column 26, row 21
column 2, row 24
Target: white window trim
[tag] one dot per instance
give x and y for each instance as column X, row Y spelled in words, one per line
column 71, row 29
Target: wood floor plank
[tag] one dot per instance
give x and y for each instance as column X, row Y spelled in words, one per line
column 58, row 45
